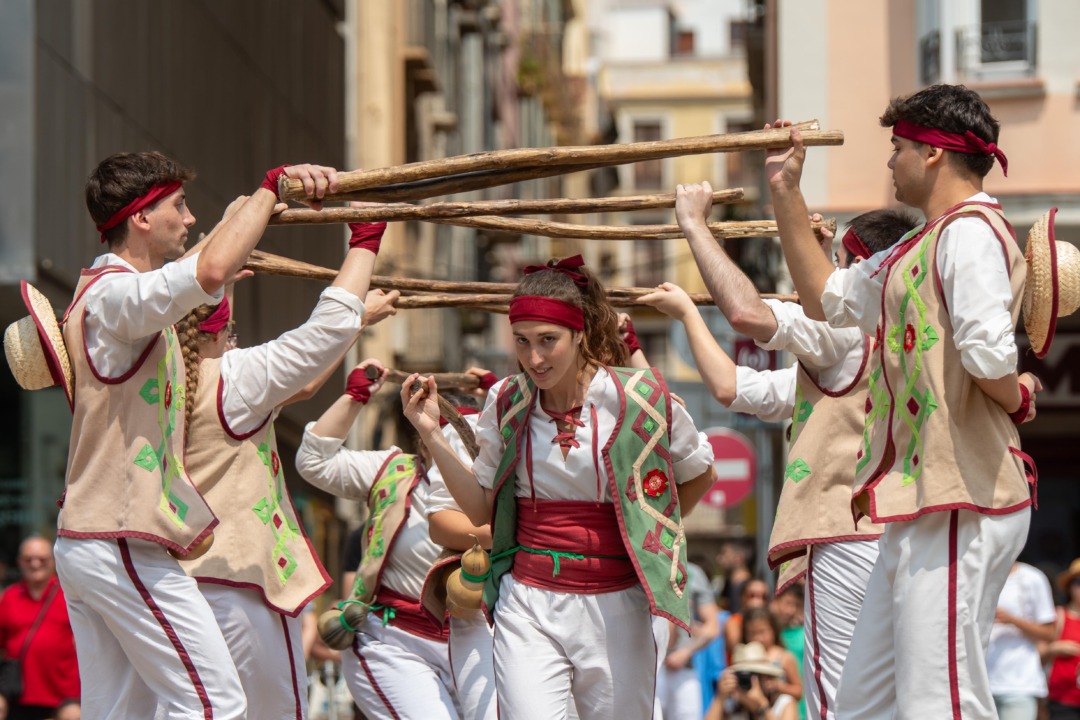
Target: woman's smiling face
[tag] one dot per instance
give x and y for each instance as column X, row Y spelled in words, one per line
column 548, row 352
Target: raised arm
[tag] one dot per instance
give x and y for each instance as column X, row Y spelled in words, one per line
column 422, row 410
column 729, row 286
column 809, row 268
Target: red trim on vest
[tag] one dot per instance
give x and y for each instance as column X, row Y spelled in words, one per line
column 410, row 616
column 292, row 667
column 170, row 632
column 803, row 545
column 404, row 517
column 1032, row 476
column 221, row 414
column 139, row 535
column 570, row 526
column 432, row 573
column 824, row 711
column 954, row 682
column 375, row 683
column 850, row 386
column 99, row 272
column 130, row 372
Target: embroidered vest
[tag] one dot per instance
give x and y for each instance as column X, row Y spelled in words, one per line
column 125, row 473
column 388, row 508
column 260, row 543
column 933, row 440
column 640, row 478
column 815, row 501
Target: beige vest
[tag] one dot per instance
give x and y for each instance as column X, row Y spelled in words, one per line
column 260, row 543
column 815, row 502
column 933, row 440
column 125, row 474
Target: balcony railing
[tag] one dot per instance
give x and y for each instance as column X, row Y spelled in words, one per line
column 996, row 50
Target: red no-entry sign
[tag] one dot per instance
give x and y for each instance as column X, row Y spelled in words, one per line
column 736, row 468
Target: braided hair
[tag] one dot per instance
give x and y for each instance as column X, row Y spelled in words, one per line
column 601, row 344
column 189, row 336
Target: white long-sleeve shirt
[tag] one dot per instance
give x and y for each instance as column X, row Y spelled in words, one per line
column 975, row 287
column 765, row 394
column 125, row 310
column 257, row 380
column 577, row 476
column 324, row 463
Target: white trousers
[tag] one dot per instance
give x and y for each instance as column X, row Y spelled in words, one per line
column 680, row 693
column 146, row 639
column 266, row 650
column 920, row 641
column 661, row 631
column 394, row 675
column 549, row 644
column 836, row 579
column 472, row 662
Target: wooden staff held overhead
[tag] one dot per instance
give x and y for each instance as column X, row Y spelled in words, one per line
column 446, row 409
column 544, row 228
column 395, row 212
column 545, row 162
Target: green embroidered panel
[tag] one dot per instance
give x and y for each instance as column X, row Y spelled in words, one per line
column 801, row 413
column 797, row 470
column 270, row 512
column 168, row 401
column 385, row 492
column 878, row 407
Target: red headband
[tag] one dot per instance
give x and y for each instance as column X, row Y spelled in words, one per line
column 566, row 266
column 544, row 309
column 152, row 196
column 855, row 245
column 969, row 142
column 218, row 319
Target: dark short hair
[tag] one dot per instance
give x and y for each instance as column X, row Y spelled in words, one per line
column 120, row 178
column 880, row 229
column 952, row 108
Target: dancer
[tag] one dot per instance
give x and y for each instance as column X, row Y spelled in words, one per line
column 261, row 569
column 939, row 462
column 826, row 389
column 145, row 636
column 398, row 665
column 585, row 468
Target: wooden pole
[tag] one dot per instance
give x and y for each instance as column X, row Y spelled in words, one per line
column 544, row 228
column 396, row 212
column 563, row 159
column 446, row 408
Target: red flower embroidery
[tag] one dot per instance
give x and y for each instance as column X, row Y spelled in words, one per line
column 275, row 463
column 168, row 394
column 909, row 337
column 655, row 483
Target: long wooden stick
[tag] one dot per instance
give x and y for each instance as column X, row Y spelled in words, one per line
column 568, row 159
column 544, row 228
column 456, row 381
column 269, row 264
column 407, row 211
column 500, row 303
column 446, row 408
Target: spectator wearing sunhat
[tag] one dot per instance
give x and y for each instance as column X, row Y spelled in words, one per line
column 1064, row 652
column 762, row 700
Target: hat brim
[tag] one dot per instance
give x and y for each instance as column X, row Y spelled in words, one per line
column 759, row 668
column 52, row 340
column 1041, row 292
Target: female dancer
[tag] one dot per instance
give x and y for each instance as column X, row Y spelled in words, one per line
column 398, row 666
column 261, row 569
column 585, row 469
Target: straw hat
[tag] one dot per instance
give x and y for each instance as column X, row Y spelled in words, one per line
column 35, row 347
column 752, row 657
column 1053, row 282
column 1065, row 579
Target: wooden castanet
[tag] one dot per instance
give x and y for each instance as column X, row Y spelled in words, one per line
column 446, row 408
column 561, row 159
column 396, row 212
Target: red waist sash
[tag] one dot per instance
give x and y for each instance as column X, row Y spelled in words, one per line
column 407, row 614
column 571, row 546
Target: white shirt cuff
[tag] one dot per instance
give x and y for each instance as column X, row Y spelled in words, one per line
column 695, row 463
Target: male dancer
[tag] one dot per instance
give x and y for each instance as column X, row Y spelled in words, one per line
column 827, row 391
column 939, row 462
column 146, row 638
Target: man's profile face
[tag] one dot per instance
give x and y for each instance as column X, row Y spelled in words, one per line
column 908, row 165
column 170, row 219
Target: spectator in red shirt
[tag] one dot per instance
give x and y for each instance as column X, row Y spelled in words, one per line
column 49, row 668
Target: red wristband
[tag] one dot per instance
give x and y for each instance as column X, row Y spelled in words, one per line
column 1020, row 414
column 631, row 338
column 270, row 182
column 487, row 380
column 358, row 386
column 366, row 236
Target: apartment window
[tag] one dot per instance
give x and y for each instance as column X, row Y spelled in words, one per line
column 649, row 264
column 737, row 33
column 648, row 174
column 1002, row 44
column 684, row 43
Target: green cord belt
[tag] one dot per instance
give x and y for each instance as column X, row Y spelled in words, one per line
column 555, row 555
column 388, row 612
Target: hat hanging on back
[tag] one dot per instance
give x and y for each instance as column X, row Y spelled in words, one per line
column 35, row 347
column 1053, row 282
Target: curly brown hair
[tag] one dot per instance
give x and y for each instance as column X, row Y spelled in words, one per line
column 601, row 344
column 189, row 336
